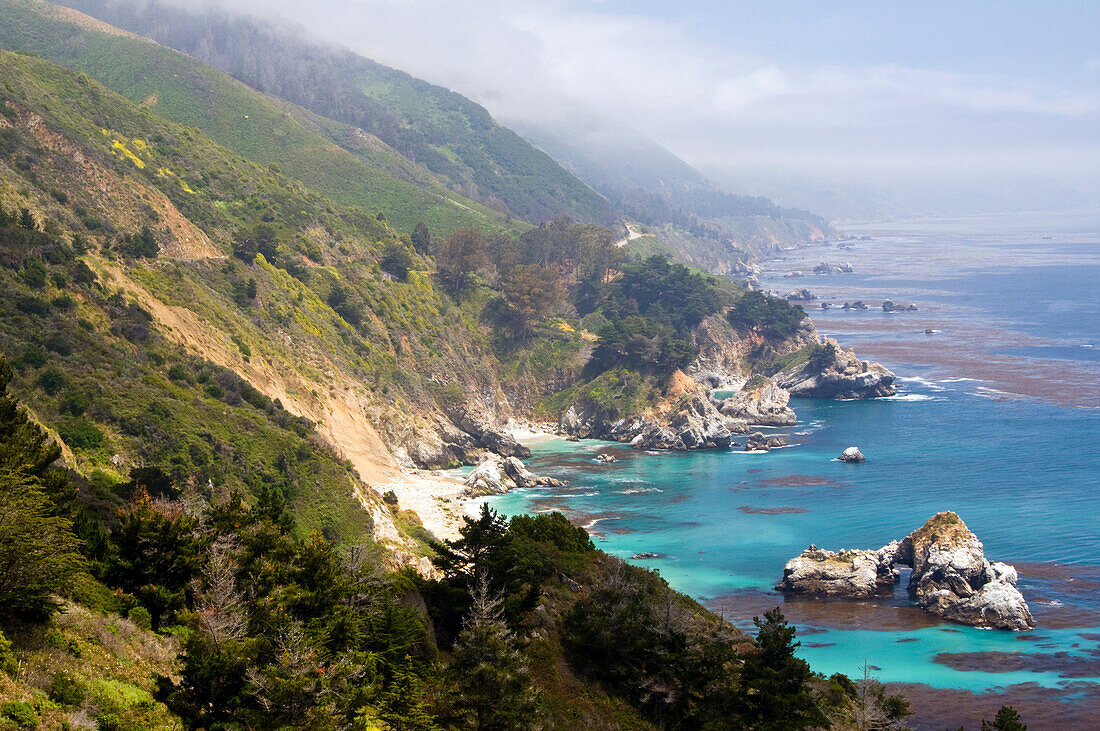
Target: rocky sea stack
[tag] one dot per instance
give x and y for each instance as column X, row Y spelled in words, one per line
column 951, row 576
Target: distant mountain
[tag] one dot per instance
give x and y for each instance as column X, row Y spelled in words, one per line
column 445, row 132
column 692, row 215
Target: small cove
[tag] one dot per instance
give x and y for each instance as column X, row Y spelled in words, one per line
column 966, row 433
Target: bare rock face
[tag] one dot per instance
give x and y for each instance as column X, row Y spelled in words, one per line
column 951, row 576
column 847, row 574
column 765, row 405
column 843, row 377
column 486, row 436
column 953, row 579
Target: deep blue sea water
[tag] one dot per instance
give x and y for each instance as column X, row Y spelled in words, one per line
column 998, row 420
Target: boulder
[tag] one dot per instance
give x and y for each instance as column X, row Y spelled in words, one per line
column 495, row 475
column 758, row 442
column 852, row 454
column 840, row 375
column 766, row 405
column 523, row 477
column 844, row 574
column 488, row 477
column 605, row 458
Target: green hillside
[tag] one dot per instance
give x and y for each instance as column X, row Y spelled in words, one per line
column 444, row 131
column 334, row 159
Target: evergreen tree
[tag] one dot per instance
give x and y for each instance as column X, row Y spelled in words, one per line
column 1007, row 719
column 774, row 684
column 489, row 674
column 421, row 239
column 38, row 551
column 396, row 260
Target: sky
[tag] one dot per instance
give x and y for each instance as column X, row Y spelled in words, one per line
column 876, row 90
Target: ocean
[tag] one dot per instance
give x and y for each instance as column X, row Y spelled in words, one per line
column 998, row 419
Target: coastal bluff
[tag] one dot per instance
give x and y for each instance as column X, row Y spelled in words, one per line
column 951, row 576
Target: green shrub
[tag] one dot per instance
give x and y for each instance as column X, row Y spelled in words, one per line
column 8, row 662
column 141, row 617
column 21, row 714
column 66, row 690
column 79, row 433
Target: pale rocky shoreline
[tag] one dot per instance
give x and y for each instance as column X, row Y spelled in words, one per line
column 442, row 498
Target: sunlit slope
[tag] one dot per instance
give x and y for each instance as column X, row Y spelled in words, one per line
column 343, row 163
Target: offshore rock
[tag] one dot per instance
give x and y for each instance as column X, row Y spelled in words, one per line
column 758, row 442
column 764, row 405
column 841, row 376
column 953, row 579
column 852, row 454
column 846, row 574
column 951, row 576
column 891, row 306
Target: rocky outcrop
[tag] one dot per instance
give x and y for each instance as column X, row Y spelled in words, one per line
column 486, row 436
column 693, row 424
column 857, row 305
column 758, row 442
column 891, row 306
column 837, row 374
column 825, row 267
column 764, row 405
column 845, row 574
column 951, row 576
column 953, row 579
column 853, row 455
column 495, row 475
column 687, row 420
column 800, row 295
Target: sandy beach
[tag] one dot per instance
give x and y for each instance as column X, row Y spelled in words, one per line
column 439, row 496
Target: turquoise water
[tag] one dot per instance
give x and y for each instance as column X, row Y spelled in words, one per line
column 964, row 435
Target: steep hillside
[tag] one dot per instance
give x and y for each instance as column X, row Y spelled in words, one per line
column 690, row 215
column 344, row 163
column 447, row 133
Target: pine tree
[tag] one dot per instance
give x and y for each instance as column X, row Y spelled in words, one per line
column 774, row 684
column 38, row 551
column 421, row 239
column 1007, row 719
column 489, row 675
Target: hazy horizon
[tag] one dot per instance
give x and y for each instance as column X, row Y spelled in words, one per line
column 869, row 95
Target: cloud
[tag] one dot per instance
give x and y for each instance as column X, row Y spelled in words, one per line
column 535, row 59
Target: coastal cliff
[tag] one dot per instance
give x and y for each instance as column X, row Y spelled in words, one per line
column 951, row 576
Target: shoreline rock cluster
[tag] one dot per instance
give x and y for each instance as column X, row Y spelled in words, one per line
column 951, row 577
column 844, row 377
column 496, row 475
